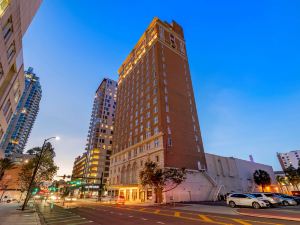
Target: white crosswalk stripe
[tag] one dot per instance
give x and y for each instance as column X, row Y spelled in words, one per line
column 58, row 215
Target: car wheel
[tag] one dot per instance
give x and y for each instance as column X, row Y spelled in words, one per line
column 256, row 205
column 285, row 203
column 8, row 201
column 232, row 204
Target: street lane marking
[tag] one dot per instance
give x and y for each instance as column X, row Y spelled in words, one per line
column 205, row 218
column 177, row 214
column 182, row 217
column 130, row 216
column 144, row 219
column 160, row 222
column 61, row 218
column 241, row 222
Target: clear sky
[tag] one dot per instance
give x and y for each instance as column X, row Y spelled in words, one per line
column 244, row 58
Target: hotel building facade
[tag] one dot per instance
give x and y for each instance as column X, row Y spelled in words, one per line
column 15, row 17
column 156, row 117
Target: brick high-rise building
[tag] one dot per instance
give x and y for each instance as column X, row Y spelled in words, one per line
column 156, row 116
column 15, row 17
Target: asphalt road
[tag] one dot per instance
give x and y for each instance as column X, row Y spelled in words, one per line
column 93, row 214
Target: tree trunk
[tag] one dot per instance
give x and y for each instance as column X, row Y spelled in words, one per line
column 158, row 194
column 262, row 188
column 2, row 195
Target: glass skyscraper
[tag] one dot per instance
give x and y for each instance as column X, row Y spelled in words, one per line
column 22, row 122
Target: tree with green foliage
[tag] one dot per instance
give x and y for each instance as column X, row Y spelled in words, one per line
column 159, row 179
column 293, row 176
column 5, row 164
column 47, row 168
column 262, row 178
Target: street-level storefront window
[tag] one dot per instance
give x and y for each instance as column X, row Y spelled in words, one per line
column 134, row 194
column 127, row 195
column 149, row 194
column 142, row 196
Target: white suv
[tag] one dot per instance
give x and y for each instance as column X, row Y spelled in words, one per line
column 272, row 198
column 237, row 199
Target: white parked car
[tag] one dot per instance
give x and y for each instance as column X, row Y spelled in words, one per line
column 237, row 199
column 270, row 197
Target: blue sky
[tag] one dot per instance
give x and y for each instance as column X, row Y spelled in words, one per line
column 244, row 58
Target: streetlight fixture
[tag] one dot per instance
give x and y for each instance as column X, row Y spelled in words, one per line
column 36, row 169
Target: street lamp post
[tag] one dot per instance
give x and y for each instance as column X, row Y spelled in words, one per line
column 35, row 171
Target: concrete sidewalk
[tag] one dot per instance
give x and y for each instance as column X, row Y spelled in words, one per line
column 286, row 213
column 9, row 215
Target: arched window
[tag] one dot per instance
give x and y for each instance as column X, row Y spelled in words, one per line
column 128, row 174
column 134, row 173
column 123, row 175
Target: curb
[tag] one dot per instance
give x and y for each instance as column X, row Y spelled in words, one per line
column 267, row 216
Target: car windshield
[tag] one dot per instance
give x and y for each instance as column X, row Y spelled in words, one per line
column 257, row 195
column 269, row 195
column 251, row 196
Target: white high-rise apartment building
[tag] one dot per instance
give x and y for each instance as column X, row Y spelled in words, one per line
column 287, row 159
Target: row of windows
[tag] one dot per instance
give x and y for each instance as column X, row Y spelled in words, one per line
column 134, row 152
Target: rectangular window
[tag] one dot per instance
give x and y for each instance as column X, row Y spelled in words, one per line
column 168, row 119
column 9, row 115
column 11, row 51
column 1, row 132
column 1, row 72
column 167, row 108
column 199, row 165
column 157, row 158
column 156, row 142
column 6, row 107
column 154, row 100
column 156, row 130
column 148, row 134
column 7, row 30
column 155, row 120
column 169, row 141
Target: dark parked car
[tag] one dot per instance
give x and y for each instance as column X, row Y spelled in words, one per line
column 296, row 198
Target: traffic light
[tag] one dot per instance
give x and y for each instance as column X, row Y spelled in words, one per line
column 52, row 189
column 35, row 190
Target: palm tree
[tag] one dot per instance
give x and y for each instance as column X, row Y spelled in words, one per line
column 281, row 181
column 293, row 176
column 261, row 178
column 5, row 164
